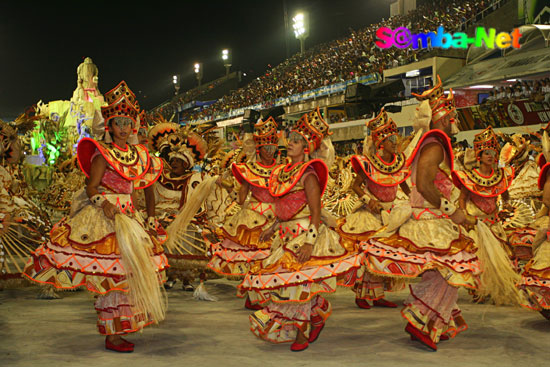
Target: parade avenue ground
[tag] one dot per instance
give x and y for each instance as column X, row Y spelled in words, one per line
column 196, row 333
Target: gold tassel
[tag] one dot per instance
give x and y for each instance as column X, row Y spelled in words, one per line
column 498, row 278
column 136, row 249
column 188, row 211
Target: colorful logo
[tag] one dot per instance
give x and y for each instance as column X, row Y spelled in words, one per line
column 402, row 38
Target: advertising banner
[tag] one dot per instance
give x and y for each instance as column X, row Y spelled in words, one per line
column 508, row 114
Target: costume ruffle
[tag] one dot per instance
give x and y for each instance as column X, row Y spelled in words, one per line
column 115, row 315
column 278, row 323
column 536, row 278
column 81, row 254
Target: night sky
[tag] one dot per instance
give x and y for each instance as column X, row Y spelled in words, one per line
column 42, row 43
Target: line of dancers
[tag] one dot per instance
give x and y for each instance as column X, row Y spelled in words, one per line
column 417, row 221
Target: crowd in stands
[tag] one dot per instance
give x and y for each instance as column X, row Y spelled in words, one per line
column 342, row 59
column 535, row 90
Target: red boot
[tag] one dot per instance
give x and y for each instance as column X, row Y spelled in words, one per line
column 315, row 332
column 361, row 303
column 124, row 347
column 383, row 303
column 297, row 347
column 420, row 336
column 250, row 306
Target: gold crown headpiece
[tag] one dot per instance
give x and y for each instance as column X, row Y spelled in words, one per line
column 312, row 128
column 381, row 127
column 265, row 133
column 486, row 140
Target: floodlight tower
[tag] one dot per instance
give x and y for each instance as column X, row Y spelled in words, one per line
column 301, row 28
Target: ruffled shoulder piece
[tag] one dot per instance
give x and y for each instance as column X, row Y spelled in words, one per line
column 133, row 163
column 542, row 175
column 380, row 172
column 491, row 186
column 434, row 135
column 254, row 173
column 285, row 176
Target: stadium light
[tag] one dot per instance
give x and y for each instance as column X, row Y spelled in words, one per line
column 226, row 58
column 300, row 26
column 175, row 80
column 198, row 72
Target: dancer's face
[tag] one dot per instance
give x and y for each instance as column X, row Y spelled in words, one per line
column 121, row 128
column 488, row 158
column 295, row 147
column 389, row 144
column 178, row 166
column 267, row 152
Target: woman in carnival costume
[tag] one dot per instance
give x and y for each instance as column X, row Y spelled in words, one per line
column 521, row 222
column 426, row 238
column 241, row 232
column 481, row 183
column 536, row 274
column 105, row 244
column 306, row 256
column 382, row 169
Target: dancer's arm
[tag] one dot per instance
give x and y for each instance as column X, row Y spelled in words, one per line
column 243, row 192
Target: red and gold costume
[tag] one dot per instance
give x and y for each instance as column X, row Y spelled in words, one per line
column 289, row 290
column 521, row 225
column 381, row 184
column 84, row 248
column 241, row 232
column 428, row 243
column 483, row 191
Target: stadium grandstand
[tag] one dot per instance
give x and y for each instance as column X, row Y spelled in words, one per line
column 319, row 77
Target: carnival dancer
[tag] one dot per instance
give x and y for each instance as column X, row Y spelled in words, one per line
column 536, row 274
column 426, row 239
column 181, row 149
column 382, row 169
column 306, row 256
column 105, row 244
column 241, row 232
column 482, row 182
column 521, row 219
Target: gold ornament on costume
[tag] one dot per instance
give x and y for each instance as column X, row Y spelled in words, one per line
column 265, row 133
column 486, row 140
column 440, row 104
column 432, row 95
column 381, row 127
column 121, row 103
column 121, row 90
column 313, row 128
column 161, row 134
column 122, row 107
